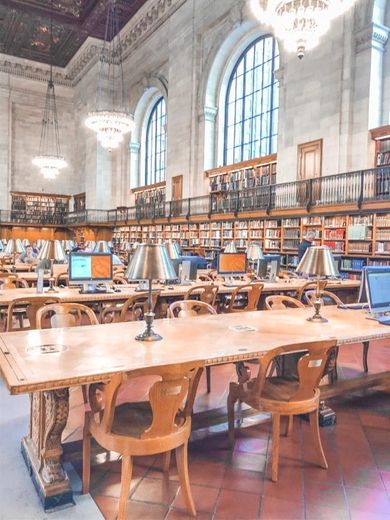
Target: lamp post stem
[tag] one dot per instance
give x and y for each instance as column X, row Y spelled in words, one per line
column 51, row 279
column 149, row 334
column 317, row 304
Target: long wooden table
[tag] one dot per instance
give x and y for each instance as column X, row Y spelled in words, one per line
column 47, row 362
column 70, row 295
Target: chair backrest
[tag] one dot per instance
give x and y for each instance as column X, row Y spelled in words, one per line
column 62, row 279
column 311, row 366
column 280, row 301
column 29, row 307
column 59, row 315
column 136, row 306
column 203, row 293
column 189, row 308
column 10, row 281
column 309, row 286
column 327, row 298
column 204, row 277
column 171, row 399
column 252, row 293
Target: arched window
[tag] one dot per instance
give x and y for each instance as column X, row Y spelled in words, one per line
column 156, row 143
column 252, row 102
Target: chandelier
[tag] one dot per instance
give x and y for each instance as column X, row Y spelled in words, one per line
column 110, row 121
column 49, row 159
column 300, row 23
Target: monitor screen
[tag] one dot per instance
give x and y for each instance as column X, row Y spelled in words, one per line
column 90, row 267
column 362, row 290
column 232, row 263
column 378, row 289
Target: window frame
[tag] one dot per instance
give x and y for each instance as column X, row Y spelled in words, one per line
column 154, row 175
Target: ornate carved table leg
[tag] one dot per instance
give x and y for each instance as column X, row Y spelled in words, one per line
column 42, row 449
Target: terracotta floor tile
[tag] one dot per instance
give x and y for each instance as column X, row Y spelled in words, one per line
column 279, row 509
column 289, row 486
column 178, row 514
column 314, row 473
column 108, row 506
column 363, row 477
column 206, row 473
column 241, row 480
column 159, row 491
column 145, row 511
column 204, row 498
column 249, row 461
column 369, row 500
column 365, row 515
column 317, row 512
column 386, row 480
column 235, row 505
column 251, row 445
column 110, row 485
column 325, row 495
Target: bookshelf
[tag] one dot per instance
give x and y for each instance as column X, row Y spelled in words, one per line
column 79, row 202
column 154, row 194
column 38, row 208
column 357, row 240
column 381, row 136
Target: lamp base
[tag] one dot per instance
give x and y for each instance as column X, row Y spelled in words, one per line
column 148, row 336
column 317, row 317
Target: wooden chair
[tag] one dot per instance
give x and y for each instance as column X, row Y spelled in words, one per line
column 244, row 298
column 307, row 286
column 328, row 298
column 203, row 277
column 280, row 302
column 285, row 396
column 133, row 309
column 26, row 308
column 59, row 315
column 159, row 425
column 203, row 293
column 62, row 279
column 119, row 279
column 191, row 308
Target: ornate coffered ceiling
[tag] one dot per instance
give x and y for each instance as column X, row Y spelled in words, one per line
column 24, row 26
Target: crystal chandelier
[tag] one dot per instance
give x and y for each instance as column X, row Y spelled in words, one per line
column 299, row 23
column 49, row 159
column 110, row 121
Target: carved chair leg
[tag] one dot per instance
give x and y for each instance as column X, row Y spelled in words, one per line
column 315, row 429
column 166, row 461
column 275, row 445
column 366, row 346
column 182, row 468
column 290, row 422
column 127, row 469
column 230, row 410
column 86, row 462
column 208, row 379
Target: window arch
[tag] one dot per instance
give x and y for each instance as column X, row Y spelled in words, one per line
column 252, row 103
column 155, row 143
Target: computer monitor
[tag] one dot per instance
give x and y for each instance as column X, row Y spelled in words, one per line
column 378, row 290
column 362, row 298
column 231, row 264
column 273, row 266
column 90, row 269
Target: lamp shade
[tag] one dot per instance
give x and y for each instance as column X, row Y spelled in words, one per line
column 230, row 248
column 14, row 246
column 318, row 260
column 172, row 251
column 26, row 242
column 102, row 247
column 254, row 252
column 52, row 250
column 150, row 262
column 68, row 245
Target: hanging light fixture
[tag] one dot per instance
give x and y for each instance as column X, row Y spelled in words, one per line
column 299, row 23
column 110, row 121
column 49, row 159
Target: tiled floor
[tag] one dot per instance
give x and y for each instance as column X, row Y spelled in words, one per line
column 234, row 484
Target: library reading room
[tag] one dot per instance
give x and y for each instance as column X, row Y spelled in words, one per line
column 194, row 259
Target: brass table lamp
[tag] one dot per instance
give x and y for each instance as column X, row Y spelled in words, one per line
column 150, row 262
column 318, row 260
column 52, row 250
column 14, row 247
column 173, row 250
column 254, row 253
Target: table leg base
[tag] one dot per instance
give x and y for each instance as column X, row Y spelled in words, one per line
column 53, row 495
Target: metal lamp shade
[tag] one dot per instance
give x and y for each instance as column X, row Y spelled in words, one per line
column 14, row 246
column 318, row 260
column 230, row 248
column 150, row 262
column 102, row 247
column 26, row 242
column 172, row 250
column 254, row 252
column 52, row 250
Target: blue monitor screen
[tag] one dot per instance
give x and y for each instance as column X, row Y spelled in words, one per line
column 378, row 290
column 90, row 267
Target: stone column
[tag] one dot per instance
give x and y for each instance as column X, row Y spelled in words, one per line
column 5, row 146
